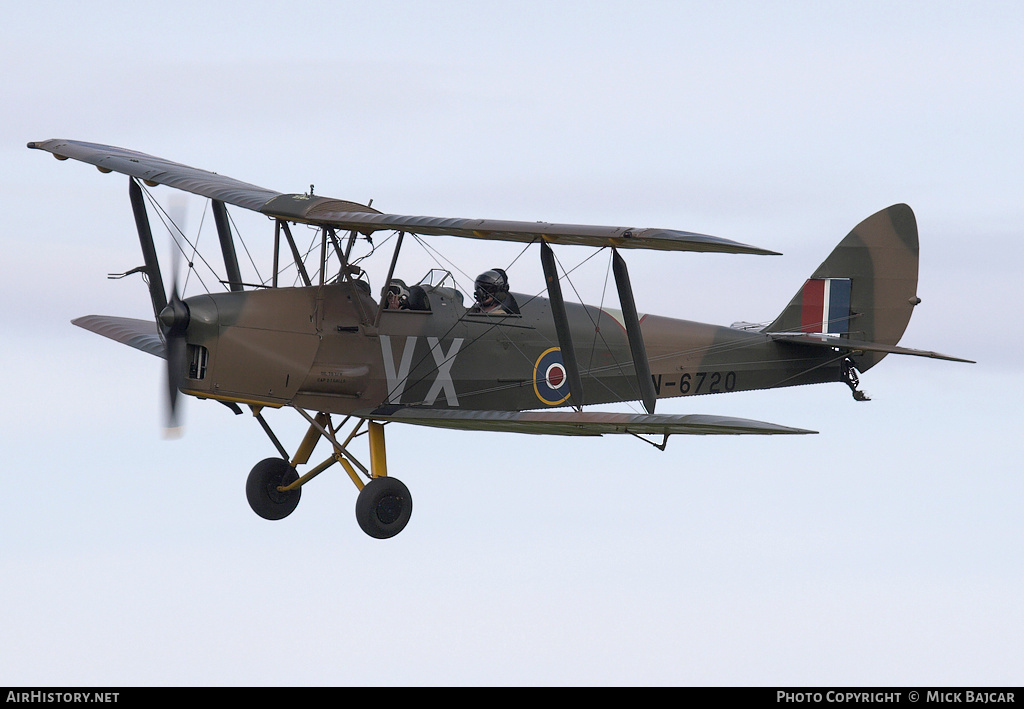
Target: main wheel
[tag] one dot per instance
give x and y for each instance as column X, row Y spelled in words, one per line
column 262, row 493
column 383, row 507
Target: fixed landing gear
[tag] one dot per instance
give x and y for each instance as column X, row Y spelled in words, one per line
column 384, row 505
column 262, row 489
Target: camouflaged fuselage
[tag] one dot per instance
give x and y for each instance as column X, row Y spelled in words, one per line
column 315, row 347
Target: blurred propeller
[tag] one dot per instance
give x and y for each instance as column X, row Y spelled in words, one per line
column 174, row 321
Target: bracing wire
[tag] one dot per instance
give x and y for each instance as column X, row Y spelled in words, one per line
column 436, row 255
column 245, row 247
column 175, row 232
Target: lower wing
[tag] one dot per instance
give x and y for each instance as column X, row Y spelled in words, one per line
column 140, row 334
column 572, row 423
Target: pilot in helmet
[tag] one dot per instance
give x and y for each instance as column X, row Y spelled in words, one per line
column 396, row 297
column 491, row 294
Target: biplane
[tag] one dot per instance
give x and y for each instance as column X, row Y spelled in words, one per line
column 330, row 346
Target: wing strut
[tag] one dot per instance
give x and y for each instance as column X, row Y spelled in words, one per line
column 391, row 273
column 572, row 369
column 277, row 251
column 227, row 245
column 295, row 252
column 156, row 284
column 636, row 338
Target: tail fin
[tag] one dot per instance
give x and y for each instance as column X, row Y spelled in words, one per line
column 865, row 290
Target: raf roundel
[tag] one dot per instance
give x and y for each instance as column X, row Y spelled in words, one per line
column 549, row 379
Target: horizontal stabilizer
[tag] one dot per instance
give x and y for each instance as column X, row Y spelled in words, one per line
column 140, row 334
column 572, row 423
column 821, row 340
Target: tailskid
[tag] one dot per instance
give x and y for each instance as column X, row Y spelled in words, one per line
column 852, row 380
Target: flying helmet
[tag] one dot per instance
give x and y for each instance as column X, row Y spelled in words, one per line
column 490, row 284
column 399, row 289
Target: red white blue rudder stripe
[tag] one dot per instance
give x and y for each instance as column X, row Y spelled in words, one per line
column 826, row 306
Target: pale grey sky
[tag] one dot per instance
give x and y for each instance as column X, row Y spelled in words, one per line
column 885, row 550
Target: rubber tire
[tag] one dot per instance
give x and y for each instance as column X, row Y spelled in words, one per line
column 383, row 507
column 261, row 489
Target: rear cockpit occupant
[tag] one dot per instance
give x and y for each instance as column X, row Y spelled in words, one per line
column 492, row 296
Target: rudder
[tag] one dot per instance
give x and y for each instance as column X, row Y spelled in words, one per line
column 866, row 289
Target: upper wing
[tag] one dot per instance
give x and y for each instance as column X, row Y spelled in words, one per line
column 350, row 215
column 157, row 171
column 571, row 423
column 339, row 214
column 822, row 340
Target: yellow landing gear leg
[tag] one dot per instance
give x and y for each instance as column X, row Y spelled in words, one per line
column 321, row 426
column 273, row 488
column 378, row 456
column 384, row 505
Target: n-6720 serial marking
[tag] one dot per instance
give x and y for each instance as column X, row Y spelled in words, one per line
column 697, row 383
